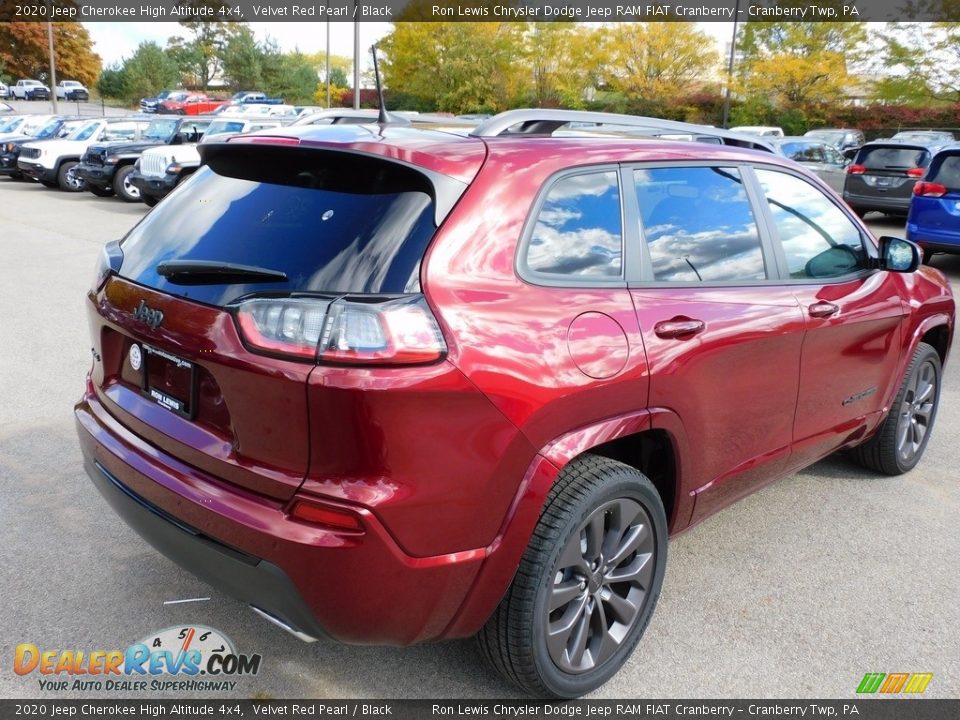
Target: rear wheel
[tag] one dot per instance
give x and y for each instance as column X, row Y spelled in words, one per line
column 67, row 178
column 122, row 186
column 899, row 443
column 587, row 584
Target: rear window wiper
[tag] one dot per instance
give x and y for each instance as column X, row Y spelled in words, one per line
column 211, row 272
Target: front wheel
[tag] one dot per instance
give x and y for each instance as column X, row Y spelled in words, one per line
column 122, row 186
column 587, row 584
column 67, row 178
column 903, row 436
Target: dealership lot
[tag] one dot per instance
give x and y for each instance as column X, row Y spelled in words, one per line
column 798, row 590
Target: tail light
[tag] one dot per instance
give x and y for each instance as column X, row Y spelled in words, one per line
column 929, row 189
column 318, row 514
column 353, row 331
column 916, row 172
column 856, row 169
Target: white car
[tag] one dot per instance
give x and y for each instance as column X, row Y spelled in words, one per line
column 30, row 90
column 51, row 161
column 22, row 126
column 72, row 90
column 761, row 130
column 4, row 90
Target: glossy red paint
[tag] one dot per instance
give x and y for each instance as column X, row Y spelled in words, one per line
column 193, row 104
column 447, row 465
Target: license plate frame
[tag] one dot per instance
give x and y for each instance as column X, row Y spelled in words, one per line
column 156, row 361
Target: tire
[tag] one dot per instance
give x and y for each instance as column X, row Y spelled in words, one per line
column 125, row 190
column 99, row 191
column 67, row 181
column 149, row 200
column 591, row 493
column 902, row 437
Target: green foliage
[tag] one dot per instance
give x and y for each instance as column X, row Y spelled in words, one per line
column 113, row 83
column 291, row 76
column 243, row 60
column 149, row 71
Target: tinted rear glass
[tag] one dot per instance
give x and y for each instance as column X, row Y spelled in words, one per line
column 347, row 225
column 892, row 157
column 946, row 171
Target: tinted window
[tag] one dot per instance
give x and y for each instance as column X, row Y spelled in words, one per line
column 85, row 132
column 698, row 225
column 946, row 171
column 885, row 157
column 342, row 225
column 818, row 238
column 578, row 229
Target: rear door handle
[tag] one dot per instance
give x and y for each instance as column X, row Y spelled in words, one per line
column 678, row 327
column 823, row 309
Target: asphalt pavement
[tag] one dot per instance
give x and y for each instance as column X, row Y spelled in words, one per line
column 796, row 591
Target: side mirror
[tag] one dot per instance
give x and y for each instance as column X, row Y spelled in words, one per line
column 899, row 255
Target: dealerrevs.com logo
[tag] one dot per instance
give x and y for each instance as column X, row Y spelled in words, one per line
column 178, row 659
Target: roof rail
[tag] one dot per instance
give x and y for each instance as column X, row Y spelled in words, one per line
column 547, row 121
column 347, row 116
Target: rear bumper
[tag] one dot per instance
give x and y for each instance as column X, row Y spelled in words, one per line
column 882, row 203
column 100, row 176
column 356, row 588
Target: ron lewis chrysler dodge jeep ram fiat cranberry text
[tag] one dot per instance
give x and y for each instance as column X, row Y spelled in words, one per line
column 389, row 384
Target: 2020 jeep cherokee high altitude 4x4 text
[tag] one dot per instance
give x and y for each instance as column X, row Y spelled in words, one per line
column 390, row 384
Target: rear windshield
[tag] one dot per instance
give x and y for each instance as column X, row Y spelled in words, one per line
column 946, row 171
column 892, row 157
column 332, row 225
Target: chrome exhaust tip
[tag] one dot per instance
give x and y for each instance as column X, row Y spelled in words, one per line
column 283, row 625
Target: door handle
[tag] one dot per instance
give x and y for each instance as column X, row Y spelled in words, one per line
column 823, row 309
column 678, row 327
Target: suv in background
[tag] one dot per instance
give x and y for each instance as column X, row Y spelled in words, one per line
column 150, row 105
column 820, row 158
column 52, row 162
column 883, row 173
column 843, row 139
column 761, row 130
column 925, row 137
column 107, row 167
column 53, row 127
column 933, row 221
column 394, row 385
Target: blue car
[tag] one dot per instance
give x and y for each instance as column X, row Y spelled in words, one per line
column 933, row 221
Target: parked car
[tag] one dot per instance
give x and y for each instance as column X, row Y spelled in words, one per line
column 254, row 98
column 160, row 169
column 72, row 90
column 150, row 105
column 883, row 173
column 820, row 158
column 30, row 90
column 933, row 221
column 11, row 124
column 761, row 130
column 189, row 104
column 21, row 126
column 4, row 90
column 328, row 378
column 843, row 139
column 106, row 167
column 51, row 162
column 925, row 137
column 55, row 127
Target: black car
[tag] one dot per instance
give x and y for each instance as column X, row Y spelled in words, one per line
column 107, row 167
column 883, row 173
column 150, row 105
column 10, row 150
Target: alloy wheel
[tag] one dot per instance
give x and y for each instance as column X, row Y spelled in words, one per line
column 916, row 411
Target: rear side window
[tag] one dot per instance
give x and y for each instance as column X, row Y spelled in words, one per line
column 818, row 239
column 892, row 158
column 804, row 152
column 578, row 229
column 332, row 223
column 698, row 225
column 946, row 171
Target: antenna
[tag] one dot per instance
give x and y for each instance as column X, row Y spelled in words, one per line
column 382, row 117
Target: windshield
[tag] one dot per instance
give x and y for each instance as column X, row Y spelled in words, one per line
column 10, row 124
column 85, row 132
column 218, row 127
column 945, row 170
column 176, row 97
column 896, row 157
column 32, row 125
column 828, row 135
column 49, row 130
column 160, row 130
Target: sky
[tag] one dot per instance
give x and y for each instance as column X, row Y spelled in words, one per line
column 116, row 40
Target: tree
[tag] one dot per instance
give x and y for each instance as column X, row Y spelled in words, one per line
column 659, row 61
column 289, row 75
column 565, row 60
column 243, row 60
column 456, row 66
column 200, row 56
column 112, row 82
column 921, row 63
column 148, row 71
column 24, row 52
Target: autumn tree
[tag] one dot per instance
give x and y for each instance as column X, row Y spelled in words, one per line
column 24, row 52
column 565, row 61
column 920, row 63
column 658, row 60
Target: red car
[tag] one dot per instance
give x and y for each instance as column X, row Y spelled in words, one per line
column 187, row 103
column 396, row 385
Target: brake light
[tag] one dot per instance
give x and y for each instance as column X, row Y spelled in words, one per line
column 929, row 189
column 856, row 169
column 916, row 172
column 326, row 515
column 364, row 331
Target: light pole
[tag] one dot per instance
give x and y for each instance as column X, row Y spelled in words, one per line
column 356, row 65
column 733, row 54
column 328, row 55
column 53, row 68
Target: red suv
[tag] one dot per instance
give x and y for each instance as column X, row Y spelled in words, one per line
column 388, row 384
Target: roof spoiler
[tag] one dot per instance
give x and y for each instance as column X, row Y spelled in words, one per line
column 547, row 121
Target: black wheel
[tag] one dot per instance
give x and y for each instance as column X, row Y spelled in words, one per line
column 68, row 180
column 149, row 200
column 899, row 443
column 587, row 584
column 99, row 191
column 122, row 186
